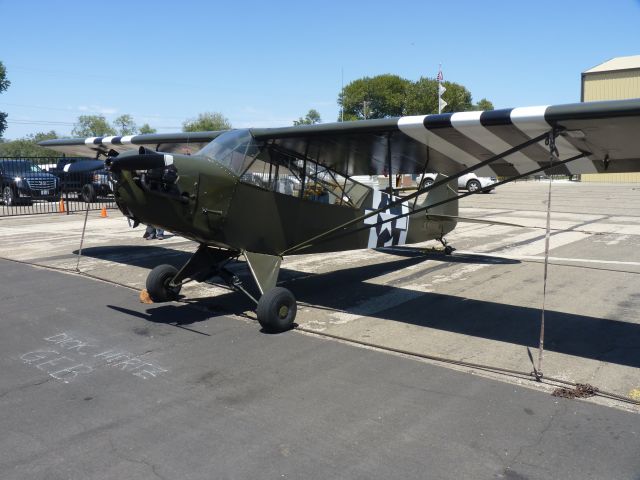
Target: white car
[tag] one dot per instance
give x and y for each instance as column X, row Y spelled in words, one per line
column 473, row 183
column 470, row 182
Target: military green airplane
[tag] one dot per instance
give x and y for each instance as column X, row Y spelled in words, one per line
column 266, row 193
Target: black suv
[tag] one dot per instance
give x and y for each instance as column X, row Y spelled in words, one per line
column 89, row 185
column 22, row 181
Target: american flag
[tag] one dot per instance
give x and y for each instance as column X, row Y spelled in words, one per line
column 439, row 77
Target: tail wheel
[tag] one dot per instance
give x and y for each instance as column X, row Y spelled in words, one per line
column 158, row 285
column 277, row 310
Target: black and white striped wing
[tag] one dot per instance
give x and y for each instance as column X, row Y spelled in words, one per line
column 607, row 133
column 184, row 143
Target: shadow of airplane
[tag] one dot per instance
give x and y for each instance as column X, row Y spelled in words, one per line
column 579, row 335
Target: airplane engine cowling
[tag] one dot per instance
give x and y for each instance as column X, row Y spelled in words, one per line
column 141, row 161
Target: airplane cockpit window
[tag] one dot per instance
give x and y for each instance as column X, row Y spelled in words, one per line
column 234, row 149
column 328, row 186
column 274, row 168
column 278, row 170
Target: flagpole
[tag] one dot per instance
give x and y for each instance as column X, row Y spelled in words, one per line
column 441, row 90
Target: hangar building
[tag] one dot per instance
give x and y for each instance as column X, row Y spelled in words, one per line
column 615, row 79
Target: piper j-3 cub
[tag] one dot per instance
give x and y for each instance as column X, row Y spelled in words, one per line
column 266, row 193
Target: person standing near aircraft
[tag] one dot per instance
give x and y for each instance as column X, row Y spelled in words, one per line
column 152, row 233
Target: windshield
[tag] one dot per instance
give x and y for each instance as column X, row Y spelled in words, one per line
column 274, row 168
column 19, row 167
column 234, row 149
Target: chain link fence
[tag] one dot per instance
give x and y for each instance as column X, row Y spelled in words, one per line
column 33, row 185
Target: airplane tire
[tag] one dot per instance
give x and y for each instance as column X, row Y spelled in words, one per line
column 158, row 283
column 277, row 310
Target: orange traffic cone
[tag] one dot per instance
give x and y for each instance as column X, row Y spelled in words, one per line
column 61, row 206
column 103, row 213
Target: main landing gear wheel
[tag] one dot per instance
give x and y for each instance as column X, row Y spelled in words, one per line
column 158, row 283
column 277, row 310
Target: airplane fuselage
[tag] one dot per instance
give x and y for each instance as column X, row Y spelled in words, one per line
column 204, row 201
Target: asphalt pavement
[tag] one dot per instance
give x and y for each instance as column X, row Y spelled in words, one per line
column 482, row 305
column 96, row 385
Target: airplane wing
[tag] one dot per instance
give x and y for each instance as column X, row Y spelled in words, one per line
column 607, row 133
column 185, row 143
column 604, row 133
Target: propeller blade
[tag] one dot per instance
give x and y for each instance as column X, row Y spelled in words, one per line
column 83, row 166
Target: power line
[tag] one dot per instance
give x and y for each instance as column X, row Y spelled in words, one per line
column 65, row 124
column 101, row 78
column 40, row 122
column 80, row 112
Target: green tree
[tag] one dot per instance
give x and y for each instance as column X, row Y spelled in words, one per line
column 125, row 125
column 145, row 128
column 422, row 97
column 4, row 84
column 28, row 146
column 374, row 97
column 92, row 126
column 393, row 96
column 484, row 105
column 312, row 117
column 207, row 122
column 458, row 98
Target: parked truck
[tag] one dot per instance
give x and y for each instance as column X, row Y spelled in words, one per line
column 87, row 185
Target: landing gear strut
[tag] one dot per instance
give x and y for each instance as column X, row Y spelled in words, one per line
column 276, row 308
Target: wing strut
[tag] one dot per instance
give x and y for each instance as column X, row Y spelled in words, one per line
column 422, row 209
column 340, row 229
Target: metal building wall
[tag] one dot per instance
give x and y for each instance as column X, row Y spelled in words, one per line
column 617, row 85
column 612, row 85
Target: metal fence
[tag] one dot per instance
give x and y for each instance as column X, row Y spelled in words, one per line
column 33, row 185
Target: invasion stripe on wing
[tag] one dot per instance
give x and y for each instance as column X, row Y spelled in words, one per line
column 414, row 126
column 469, row 123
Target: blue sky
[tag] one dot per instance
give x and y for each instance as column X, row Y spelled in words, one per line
column 267, row 63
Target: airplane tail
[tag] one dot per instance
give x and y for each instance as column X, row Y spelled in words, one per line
column 439, row 194
column 436, row 222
